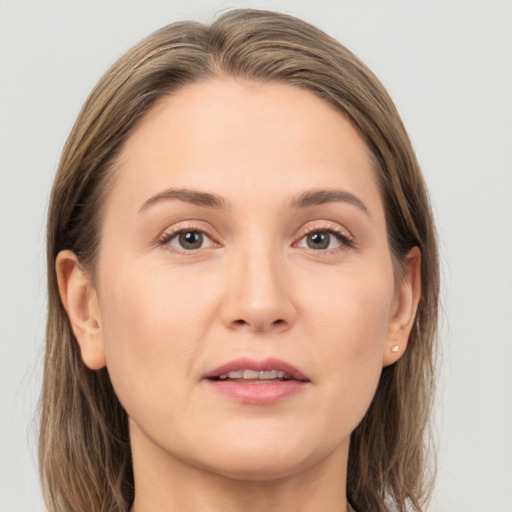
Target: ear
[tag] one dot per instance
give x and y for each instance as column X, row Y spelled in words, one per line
column 405, row 304
column 81, row 304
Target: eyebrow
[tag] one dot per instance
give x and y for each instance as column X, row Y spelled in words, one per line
column 318, row 197
column 303, row 200
column 188, row 196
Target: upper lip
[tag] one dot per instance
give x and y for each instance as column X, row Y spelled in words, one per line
column 268, row 364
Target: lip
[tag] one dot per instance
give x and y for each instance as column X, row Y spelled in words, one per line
column 253, row 392
column 267, row 364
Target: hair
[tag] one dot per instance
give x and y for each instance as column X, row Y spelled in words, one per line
column 84, row 448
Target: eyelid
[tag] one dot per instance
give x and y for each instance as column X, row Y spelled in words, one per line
column 184, row 226
column 346, row 238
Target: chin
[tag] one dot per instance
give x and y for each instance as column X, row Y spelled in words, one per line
column 261, row 461
column 258, row 470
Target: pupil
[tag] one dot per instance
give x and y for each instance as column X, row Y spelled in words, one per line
column 191, row 240
column 318, row 240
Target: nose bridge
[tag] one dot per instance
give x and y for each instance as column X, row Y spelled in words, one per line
column 258, row 294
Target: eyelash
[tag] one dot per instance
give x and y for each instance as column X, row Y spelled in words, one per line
column 346, row 241
column 166, row 237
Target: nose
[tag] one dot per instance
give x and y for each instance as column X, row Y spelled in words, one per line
column 258, row 293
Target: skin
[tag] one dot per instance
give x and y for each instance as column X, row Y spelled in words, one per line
column 160, row 316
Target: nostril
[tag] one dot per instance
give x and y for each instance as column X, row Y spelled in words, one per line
column 275, row 324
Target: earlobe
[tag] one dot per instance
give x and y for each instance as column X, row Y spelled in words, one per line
column 405, row 305
column 80, row 301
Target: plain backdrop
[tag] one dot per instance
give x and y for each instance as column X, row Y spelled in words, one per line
column 448, row 66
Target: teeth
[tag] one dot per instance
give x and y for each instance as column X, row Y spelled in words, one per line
column 254, row 375
column 250, row 374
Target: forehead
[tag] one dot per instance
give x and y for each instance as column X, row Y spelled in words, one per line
column 232, row 136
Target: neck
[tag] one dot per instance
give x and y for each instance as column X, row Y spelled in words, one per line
column 167, row 484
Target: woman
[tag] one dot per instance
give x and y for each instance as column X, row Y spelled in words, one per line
column 243, row 282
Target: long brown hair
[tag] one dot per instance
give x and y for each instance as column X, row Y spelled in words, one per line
column 84, row 449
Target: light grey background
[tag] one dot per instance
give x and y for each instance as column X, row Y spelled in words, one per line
column 448, row 65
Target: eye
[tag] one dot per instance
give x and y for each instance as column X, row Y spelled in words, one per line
column 324, row 240
column 319, row 240
column 186, row 240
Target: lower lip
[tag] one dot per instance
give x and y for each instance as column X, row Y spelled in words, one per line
column 258, row 393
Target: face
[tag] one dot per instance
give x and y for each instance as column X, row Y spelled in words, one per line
column 244, row 294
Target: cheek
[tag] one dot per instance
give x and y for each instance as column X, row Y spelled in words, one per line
column 351, row 332
column 153, row 327
column 353, row 310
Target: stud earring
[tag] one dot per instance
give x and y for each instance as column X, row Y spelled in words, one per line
column 395, row 349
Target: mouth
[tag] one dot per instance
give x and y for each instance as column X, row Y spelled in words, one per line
column 257, row 382
column 253, row 376
column 249, row 370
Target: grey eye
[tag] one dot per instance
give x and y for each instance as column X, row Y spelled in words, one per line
column 318, row 240
column 322, row 239
column 189, row 240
